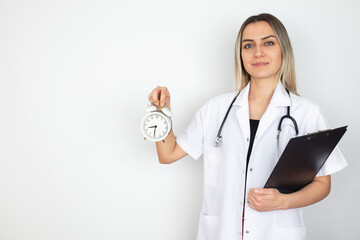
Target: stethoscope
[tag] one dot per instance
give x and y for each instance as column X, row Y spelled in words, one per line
column 218, row 140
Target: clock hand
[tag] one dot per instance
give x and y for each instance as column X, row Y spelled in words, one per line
column 155, row 130
column 153, row 126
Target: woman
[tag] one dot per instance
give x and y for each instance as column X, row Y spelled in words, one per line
column 235, row 206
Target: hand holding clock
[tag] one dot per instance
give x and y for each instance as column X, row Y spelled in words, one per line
column 160, row 97
column 156, row 124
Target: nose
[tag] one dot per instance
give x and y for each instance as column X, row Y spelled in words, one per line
column 259, row 51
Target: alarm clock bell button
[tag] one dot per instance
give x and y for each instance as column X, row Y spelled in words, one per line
column 167, row 112
column 151, row 108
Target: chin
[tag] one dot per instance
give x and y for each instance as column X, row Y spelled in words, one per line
column 263, row 75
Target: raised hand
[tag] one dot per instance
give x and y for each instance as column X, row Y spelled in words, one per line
column 160, row 97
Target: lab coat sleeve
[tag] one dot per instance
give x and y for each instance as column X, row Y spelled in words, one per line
column 336, row 160
column 191, row 139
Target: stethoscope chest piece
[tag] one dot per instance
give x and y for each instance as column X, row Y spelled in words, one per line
column 218, row 141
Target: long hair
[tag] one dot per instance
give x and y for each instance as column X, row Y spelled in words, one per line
column 287, row 68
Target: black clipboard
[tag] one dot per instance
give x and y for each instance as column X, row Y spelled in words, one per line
column 302, row 159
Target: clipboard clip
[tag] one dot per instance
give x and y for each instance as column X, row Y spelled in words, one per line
column 326, row 130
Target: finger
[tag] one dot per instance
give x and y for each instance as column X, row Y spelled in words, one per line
column 151, row 97
column 251, row 194
column 263, row 191
column 251, row 206
column 252, row 191
column 256, row 199
column 154, row 96
column 251, row 199
column 164, row 95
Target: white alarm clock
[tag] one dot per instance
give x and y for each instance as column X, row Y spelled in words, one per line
column 156, row 124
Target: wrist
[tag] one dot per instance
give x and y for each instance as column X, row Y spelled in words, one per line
column 285, row 201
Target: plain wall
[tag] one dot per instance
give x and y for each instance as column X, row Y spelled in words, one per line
column 74, row 81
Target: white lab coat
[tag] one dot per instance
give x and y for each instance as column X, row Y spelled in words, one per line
column 224, row 166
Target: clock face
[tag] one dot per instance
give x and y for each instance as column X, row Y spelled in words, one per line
column 156, row 126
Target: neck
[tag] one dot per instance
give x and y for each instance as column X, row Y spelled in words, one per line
column 261, row 90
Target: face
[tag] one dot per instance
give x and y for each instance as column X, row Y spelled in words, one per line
column 260, row 51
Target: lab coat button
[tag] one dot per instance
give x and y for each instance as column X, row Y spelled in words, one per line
column 247, row 139
column 250, row 169
column 247, row 231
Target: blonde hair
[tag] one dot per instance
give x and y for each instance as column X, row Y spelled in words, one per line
column 287, row 68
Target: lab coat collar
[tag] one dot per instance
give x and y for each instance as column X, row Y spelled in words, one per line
column 280, row 97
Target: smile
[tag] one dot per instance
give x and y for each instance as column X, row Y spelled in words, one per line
column 260, row 64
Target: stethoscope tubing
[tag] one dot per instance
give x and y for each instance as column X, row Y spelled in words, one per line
column 218, row 140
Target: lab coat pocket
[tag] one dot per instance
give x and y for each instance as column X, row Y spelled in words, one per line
column 209, row 227
column 289, row 225
column 289, row 233
column 212, row 201
column 213, row 168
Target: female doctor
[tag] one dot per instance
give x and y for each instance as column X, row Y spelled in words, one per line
column 235, row 206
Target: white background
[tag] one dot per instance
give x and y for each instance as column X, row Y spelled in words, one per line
column 74, row 81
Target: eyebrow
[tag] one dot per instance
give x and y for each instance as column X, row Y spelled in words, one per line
column 250, row 40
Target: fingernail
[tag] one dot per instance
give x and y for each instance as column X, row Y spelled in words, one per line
column 256, row 191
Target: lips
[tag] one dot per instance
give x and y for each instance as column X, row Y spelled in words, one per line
column 260, row 64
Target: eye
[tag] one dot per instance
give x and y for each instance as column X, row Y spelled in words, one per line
column 270, row 43
column 247, row 46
